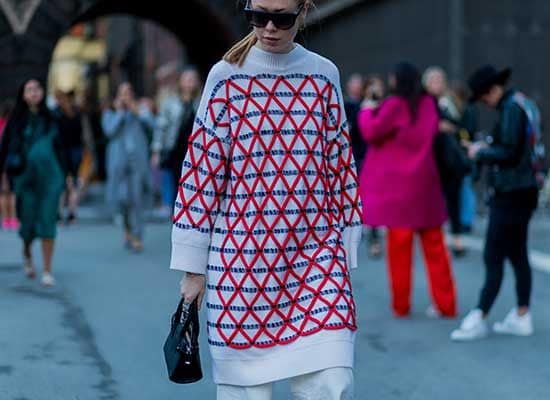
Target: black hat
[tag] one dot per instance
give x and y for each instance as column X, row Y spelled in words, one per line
column 485, row 78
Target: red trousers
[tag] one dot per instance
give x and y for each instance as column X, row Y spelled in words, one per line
column 400, row 254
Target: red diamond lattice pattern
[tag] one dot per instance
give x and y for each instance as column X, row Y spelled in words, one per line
column 287, row 187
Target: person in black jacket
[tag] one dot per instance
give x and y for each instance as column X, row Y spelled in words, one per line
column 514, row 193
column 450, row 113
column 352, row 104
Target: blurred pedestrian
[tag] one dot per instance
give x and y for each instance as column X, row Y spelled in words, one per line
column 268, row 209
column 450, row 112
column 171, row 136
column 69, row 121
column 8, row 215
column 91, row 129
column 128, row 174
column 468, row 133
column 401, row 189
column 374, row 93
column 514, row 195
column 352, row 103
column 31, row 152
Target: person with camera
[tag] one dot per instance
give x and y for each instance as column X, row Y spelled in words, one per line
column 128, row 173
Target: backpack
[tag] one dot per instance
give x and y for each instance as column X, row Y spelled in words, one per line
column 534, row 135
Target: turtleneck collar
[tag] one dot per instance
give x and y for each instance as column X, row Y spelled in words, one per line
column 276, row 60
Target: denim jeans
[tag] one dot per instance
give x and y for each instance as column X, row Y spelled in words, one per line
column 467, row 202
column 167, row 189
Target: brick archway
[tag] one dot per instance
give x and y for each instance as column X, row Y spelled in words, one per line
column 25, row 54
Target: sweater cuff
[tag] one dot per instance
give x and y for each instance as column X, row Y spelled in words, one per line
column 189, row 258
column 351, row 238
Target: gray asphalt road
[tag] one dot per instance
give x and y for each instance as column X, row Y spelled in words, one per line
column 99, row 333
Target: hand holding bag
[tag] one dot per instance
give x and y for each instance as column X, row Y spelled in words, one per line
column 181, row 349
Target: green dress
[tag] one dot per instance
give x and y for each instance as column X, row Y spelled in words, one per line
column 39, row 187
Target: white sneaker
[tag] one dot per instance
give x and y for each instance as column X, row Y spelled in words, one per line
column 48, row 280
column 473, row 327
column 432, row 312
column 514, row 324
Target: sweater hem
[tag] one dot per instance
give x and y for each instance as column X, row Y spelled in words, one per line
column 288, row 363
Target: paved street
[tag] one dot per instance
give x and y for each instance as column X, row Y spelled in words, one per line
column 99, row 333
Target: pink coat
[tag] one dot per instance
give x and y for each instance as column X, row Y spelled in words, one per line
column 399, row 181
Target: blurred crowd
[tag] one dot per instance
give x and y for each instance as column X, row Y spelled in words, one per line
column 458, row 119
column 419, row 150
column 53, row 147
column 413, row 175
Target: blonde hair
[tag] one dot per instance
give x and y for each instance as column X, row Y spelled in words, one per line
column 237, row 54
column 430, row 72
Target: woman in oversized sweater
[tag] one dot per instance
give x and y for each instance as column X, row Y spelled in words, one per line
column 400, row 188
column 267, row 219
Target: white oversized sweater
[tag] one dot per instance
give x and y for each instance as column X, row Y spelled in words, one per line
column 268, row 208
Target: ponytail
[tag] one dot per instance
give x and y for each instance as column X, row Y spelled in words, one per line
column 237, row 54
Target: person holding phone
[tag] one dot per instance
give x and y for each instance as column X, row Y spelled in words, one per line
column 513, row 200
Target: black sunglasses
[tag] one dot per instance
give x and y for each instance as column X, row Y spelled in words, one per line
column 283, row 21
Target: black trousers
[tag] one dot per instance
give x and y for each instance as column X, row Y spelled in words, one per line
column 507, row 239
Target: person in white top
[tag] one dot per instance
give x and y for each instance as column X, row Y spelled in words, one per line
column 267, row 219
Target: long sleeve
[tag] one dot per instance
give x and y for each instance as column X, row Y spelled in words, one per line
column 147, row 119
column 343, row 178
column 203, row 180
column 111, row 122
column 505, row 149
column 378, row 125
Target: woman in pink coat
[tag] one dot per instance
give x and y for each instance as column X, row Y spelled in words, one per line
column 400, row 188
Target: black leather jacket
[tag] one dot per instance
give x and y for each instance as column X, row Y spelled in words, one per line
column 509, row 155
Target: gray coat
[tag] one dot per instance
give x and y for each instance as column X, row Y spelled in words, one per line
column 127, row 158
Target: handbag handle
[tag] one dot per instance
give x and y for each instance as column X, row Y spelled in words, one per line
column 182, row 313
column 185, row 314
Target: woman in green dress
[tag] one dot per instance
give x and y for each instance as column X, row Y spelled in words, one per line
column 30, row 152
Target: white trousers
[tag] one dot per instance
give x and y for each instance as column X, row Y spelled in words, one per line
column 330, row 384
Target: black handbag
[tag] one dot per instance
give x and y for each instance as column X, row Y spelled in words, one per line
column 181, row 349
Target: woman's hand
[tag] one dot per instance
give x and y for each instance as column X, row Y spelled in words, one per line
column 118, row 104
column 369, row 104
column 474, row 148
column 447, row 127
column 193, row 286
column 133, row 107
